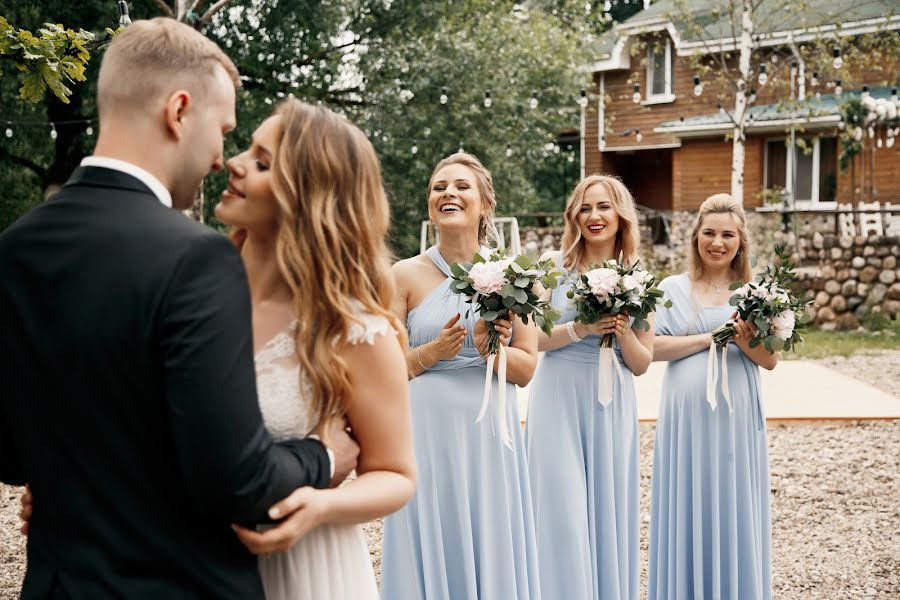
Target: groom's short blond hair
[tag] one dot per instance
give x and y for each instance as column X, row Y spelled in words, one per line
column 153, row 58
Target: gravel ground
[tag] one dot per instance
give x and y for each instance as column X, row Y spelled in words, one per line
column 876, row 367
column 835, row 503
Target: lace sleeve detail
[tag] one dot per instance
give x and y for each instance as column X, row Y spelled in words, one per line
column 368, row 327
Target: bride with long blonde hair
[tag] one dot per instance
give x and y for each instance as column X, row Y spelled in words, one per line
column 309, row 212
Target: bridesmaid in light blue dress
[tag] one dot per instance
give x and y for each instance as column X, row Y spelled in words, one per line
column 583, row 455
column 710, row 530
column 468, row 533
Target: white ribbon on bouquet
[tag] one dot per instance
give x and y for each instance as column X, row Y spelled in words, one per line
column 486, row 399
column 605, row 375
column 712, row 377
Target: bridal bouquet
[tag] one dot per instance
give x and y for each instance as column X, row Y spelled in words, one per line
column 613, row 289
column 498, row 285
column 770, row 306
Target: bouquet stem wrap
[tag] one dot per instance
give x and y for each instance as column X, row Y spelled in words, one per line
column 712, row 376
column 608, row 361
column 501, row 400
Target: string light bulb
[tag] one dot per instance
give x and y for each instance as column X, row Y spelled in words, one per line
column 53, row 133
column 698, row 88
column 9, row 132
column 838, row 88
column 763, row 78
column 894, row 95
column 124, row 18
column 414, row 149
column 533, row 103
column 636, row 96
column 444, row 98
column 838, row 62
column 583, row 99
column 814, row 80
column 487, row 99
column 461, row 149
column 752, row 97
column 89, row 130
column 638, row 136
column 509, row 150
column 865, row 92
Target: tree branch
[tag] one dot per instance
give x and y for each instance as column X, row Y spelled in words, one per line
column 36, row 168
column 212, row 10
column 197, row 4
column 167, row 10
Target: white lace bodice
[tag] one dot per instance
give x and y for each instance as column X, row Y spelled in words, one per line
column 282, row 392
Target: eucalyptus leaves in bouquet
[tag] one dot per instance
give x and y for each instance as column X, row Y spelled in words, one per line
column 769, row 304
column 614, row 289
column 498, row 286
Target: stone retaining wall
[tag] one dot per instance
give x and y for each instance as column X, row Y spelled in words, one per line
column 849, row 279
column 854, row 278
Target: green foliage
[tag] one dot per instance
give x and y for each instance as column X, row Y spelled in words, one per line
column 524, row 280
column 635, row 294
column 47, row 62
column 853, row 113
column 818, row 343
column 356, row 56
column 763, row 302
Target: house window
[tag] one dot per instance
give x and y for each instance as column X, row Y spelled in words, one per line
column 815, row 166
column 659, row 71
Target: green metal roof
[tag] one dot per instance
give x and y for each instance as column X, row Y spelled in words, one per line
column 827, row 105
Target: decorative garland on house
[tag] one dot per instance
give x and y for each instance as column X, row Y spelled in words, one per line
column 863, row 117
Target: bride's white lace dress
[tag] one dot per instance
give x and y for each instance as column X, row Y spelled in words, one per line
column 331, row 562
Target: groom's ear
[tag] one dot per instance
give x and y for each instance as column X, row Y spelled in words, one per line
column 177, row 106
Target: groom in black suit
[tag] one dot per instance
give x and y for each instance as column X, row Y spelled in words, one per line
column 128, row 397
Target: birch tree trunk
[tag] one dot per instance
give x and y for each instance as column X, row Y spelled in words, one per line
column 740, row 101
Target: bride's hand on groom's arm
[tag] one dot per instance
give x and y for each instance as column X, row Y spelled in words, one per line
column 305, row 509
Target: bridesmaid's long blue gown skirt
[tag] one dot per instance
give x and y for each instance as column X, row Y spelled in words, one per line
column 710, row 529
column 585, row 474
column 468, row 532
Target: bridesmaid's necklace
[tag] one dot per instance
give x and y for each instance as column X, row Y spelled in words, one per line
column 716, row 287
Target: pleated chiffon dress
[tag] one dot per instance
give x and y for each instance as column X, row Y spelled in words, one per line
column 468, row 532
column 710, row 526
column 585, row 473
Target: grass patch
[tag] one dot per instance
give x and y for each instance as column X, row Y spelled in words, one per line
column 821, row 344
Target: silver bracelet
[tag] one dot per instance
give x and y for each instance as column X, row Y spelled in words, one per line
column 570, row 329
column 419, row 358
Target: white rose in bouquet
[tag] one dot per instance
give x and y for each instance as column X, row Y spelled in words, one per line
column 603, row 282
column 630, row 283
column 783, row 324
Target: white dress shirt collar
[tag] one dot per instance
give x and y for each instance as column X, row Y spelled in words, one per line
column 158, row 189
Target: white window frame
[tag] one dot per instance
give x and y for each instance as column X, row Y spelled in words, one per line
column 812, row 202
column 667, row 95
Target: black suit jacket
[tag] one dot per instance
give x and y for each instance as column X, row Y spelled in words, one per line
column 129, row 399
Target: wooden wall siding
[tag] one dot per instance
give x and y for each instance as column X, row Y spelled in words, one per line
column 702, row 168
column 886, row 180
